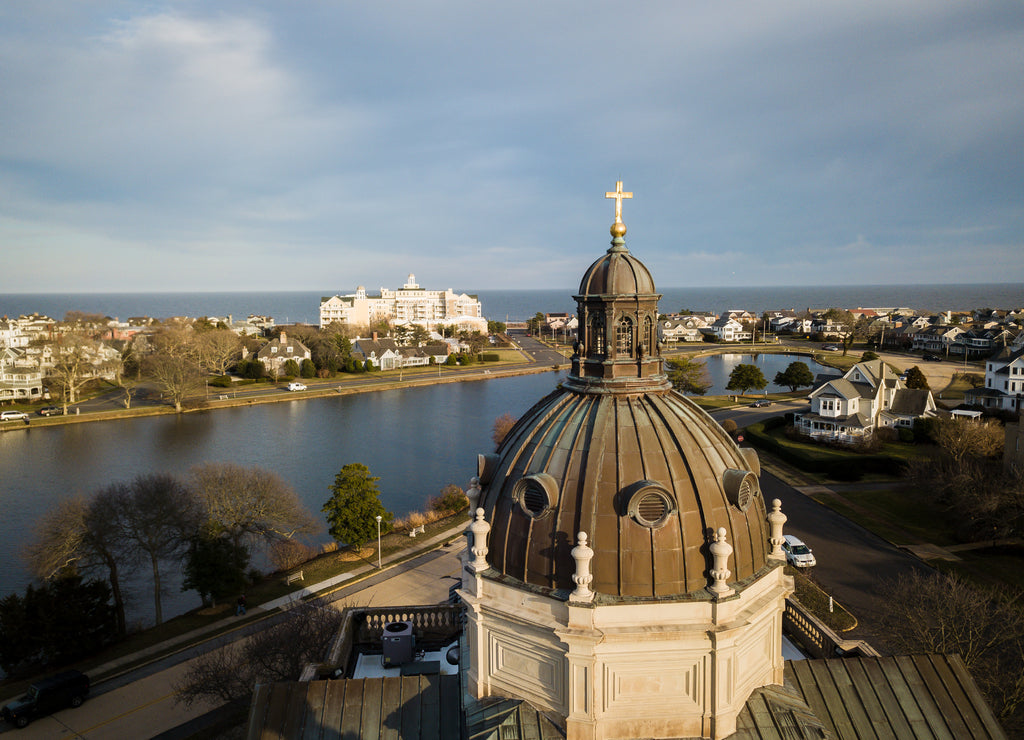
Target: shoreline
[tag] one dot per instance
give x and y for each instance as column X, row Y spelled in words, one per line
column 277, row 394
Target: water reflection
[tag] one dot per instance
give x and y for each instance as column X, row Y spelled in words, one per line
column 417, row 440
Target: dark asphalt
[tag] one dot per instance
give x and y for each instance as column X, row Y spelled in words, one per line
column 852, row 561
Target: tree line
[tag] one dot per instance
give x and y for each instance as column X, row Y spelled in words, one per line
column 179, row 356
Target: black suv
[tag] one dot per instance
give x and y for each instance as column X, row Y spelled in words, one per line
column 67, row 689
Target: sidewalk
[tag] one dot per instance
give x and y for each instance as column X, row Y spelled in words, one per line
column 256, row 612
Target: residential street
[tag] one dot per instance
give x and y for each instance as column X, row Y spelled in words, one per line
column 852, row 561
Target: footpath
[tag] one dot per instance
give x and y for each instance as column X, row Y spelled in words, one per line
column 258, row 612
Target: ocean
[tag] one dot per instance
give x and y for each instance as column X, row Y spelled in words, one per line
column 517, row 305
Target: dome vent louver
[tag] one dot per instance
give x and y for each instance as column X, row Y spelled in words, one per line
column 740, row 488
column 649, row 504
column 536, row 494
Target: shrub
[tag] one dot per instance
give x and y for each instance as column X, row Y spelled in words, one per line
column 286, row 554
column 451, row 499
column 220, row 381
column 729, row 426
column 887, row 434
column 490, row 357
column 906, row 435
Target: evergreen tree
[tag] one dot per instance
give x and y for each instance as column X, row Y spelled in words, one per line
column 61, row 621
column 796, row 375
column 746, row 377
column 916, row 379
column 354, row 506
column 688, row 375
column 215, row 568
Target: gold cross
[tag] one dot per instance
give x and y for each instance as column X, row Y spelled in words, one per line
column 618, row 195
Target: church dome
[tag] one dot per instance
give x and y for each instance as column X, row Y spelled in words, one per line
column 648, row 476
column 616, row 453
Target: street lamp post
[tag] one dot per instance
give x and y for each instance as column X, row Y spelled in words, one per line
column 379, row 517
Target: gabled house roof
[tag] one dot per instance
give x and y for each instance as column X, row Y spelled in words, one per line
column 911, row 402
column 376, row 347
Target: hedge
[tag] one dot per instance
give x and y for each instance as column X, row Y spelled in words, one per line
column 836, row 464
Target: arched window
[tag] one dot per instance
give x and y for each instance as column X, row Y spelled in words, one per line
column 649, row 335
column 596, row 345
column 624, row 337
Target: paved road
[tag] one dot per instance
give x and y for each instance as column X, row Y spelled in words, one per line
column 141, row 704
column 852, row 562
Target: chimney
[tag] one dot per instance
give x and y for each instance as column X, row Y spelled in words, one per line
column 374, row 336
column 284, row 338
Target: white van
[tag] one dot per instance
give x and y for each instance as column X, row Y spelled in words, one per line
column 296, row 387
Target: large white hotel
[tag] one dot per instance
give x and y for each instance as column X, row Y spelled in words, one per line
column 410, row 304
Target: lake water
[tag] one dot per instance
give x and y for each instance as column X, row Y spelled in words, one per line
column 416, row 440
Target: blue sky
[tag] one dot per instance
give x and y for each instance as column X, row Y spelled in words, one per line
column 149, row 146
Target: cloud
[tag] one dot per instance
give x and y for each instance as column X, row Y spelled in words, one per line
column 472, row 143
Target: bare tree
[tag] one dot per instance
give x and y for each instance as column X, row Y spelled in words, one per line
column 161, row 516
column 278, row 653
column 218, row 349
column 502, row 426
column 969, row 438
column 72, row 366
column 83, row 536
column 177, row 375
column 938, row 613
column 249, row 503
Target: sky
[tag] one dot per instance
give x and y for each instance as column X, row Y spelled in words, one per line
column 246, row 145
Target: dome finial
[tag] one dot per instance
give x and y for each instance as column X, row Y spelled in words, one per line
column 618, row 229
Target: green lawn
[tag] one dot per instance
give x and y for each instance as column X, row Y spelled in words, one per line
column 895, row 513
column 996, row 567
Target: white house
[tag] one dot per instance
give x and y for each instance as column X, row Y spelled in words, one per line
column 681, row 328
column 730, row 330
column 869, row 396
column 1004, row 382
column 20, row 379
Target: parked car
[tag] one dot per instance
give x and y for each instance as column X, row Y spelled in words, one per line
column 830, row 347
column 797, row 553
column 67, row 689
column 762, row 402
column 296, row 387
column 932, row 358
column 11, row 415
column 51, row 411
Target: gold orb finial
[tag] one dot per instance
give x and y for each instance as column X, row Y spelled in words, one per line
column 618, row 229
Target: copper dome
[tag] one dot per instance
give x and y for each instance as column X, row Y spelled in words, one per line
column 647, row 476
column 617, row 272
column 618, row 454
